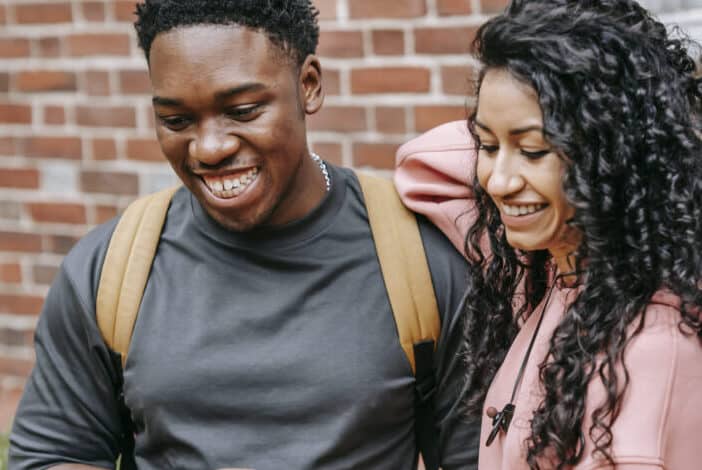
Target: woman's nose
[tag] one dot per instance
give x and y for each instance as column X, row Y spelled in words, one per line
column 505, row 178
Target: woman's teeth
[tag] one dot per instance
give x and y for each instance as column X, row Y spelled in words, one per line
column 516, row 211
column 230, row 186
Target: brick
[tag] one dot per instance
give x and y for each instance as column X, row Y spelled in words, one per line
column 11, row 272
column 105, row 213
column 93, row 11
column 327, row 9
column 144, row 150
column 11, row 48
column 134, row 82
column 390, row 120
column 124, row 10
column 331, row 82
column 493, row 6
column 54, row 115
column 3, row 14
column 381, row 156
column 454, row 7
column 4, row 82
column 105, row 116
column 21, row 304
column 15, row 114
column 82, row 45
column 37, row 13
column 24, row 178
column 389, row 42
column 8, row 146
column 455, row 40
column 110, row 183
column 15, row 338
column 60, row 244
column 104, row 149
column 15, row 367
column 44, row 274
column 96, row 83
column 427, row 117
column 393, row 9
column 53, row 147
column 390, row 80
column 50, row 47
column 458, row 80
column 340, row 44
column 339, row 118
column 9, row 399
column 329, row 151
column 45, row 80
column 57, row 212
column 20, row 242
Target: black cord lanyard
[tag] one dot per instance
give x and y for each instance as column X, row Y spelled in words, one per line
column 502, row 419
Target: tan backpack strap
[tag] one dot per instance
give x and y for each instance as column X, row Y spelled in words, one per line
column 126, row 268
column 403, row 264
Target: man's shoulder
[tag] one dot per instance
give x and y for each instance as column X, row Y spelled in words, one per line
column 88, row 254
column 83, row 263
column 437, row 246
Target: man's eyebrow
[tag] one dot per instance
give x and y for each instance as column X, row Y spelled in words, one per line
column 220, row 95
column 162, row 101
column 246, row 87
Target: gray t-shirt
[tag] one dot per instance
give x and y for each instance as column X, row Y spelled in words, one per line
column 269, row 349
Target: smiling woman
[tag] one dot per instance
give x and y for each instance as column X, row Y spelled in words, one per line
column 520, row 171
column 578, row 180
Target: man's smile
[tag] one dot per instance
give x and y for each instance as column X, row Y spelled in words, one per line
column 230, row 185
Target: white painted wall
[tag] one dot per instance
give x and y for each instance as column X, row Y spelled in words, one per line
column 685, row 13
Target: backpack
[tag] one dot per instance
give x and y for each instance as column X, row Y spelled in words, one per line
column 402, row 261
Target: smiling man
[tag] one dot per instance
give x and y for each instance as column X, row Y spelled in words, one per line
column 265, row 337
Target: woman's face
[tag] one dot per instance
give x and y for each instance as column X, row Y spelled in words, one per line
column 518, row 168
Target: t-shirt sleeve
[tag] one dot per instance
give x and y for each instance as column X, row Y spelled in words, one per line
column 69, row 411
column 458, row 435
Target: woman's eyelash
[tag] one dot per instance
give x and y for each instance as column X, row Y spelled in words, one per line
column 535, row 155
column 488, row 148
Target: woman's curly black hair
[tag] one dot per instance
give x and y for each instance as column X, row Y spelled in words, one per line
column 620, row 100
column 290, row 24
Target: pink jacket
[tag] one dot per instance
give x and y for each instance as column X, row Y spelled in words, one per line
column 434, row 177
column 660, row 422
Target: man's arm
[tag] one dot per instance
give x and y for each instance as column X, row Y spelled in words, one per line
column 458, row 436
column 69, row 412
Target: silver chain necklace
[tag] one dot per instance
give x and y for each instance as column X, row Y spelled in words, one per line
column 323, row 167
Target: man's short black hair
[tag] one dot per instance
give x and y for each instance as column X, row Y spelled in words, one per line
column 290, row 24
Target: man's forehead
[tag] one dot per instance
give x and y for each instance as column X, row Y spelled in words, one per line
column 207, row 39
column 205, row 43
column 209, row 63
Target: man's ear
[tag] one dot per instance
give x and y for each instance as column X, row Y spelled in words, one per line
column 311, row 84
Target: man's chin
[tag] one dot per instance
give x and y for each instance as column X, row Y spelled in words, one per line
column 238, row 223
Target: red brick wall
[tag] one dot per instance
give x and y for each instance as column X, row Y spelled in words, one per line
column 76, row 137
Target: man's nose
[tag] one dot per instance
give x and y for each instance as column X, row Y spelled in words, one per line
column 505, row 178
column 213, row 145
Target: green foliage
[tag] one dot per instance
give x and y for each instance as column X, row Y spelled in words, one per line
column 4, row 445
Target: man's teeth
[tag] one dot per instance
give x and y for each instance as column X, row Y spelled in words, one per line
column 522, row 210
column 229, row 186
